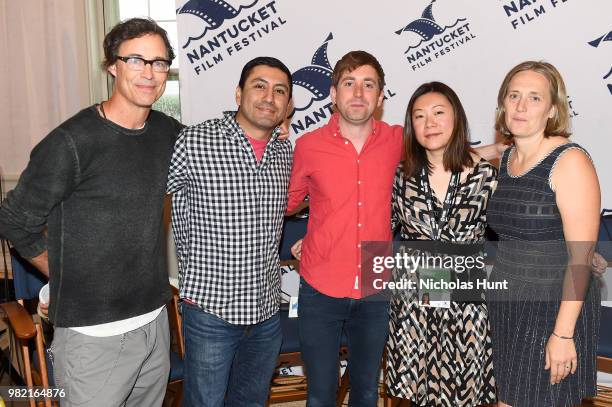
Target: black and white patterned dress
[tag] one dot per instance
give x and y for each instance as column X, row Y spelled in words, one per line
column 441, row 356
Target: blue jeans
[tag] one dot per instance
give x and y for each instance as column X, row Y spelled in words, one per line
column 320, row 323
column 227, row 364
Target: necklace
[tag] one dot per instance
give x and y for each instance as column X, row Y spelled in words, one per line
column 101, row 105
column 102, row 110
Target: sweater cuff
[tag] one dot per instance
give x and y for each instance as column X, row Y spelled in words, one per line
column 33, row 249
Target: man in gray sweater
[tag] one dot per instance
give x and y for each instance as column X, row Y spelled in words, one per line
column 87, row 212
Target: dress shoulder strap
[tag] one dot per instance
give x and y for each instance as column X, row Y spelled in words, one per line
column 503, row 165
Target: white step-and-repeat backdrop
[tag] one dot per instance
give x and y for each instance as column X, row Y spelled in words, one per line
column 468, row 44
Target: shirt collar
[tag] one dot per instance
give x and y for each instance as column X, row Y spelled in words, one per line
column 235, row 131
column 334, row 126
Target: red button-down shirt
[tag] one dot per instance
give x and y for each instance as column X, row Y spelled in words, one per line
column 350, row 201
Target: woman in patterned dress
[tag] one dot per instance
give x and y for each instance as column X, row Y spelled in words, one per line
column 440, row 356
column 546, row 213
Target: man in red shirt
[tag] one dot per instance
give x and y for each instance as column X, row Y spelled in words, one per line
column 347, row 169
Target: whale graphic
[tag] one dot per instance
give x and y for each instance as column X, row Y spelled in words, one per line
column 316, row 77
column 212, row 12
column 426, row 26
column 606, row 37
column 596, row 43
column 606, row 77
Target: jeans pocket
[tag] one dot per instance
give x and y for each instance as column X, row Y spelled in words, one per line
column 90, row 364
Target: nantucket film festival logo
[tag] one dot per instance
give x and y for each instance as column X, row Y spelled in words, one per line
column 523, row 12
column 311, row 88
column 434, row 41
column 219, row 30
column 601, row 41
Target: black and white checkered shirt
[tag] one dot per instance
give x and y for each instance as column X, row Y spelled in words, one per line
column 227, row 217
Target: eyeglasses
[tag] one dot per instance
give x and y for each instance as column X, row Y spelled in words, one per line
column 138, row 64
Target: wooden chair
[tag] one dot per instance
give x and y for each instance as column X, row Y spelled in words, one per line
column 177, row 351
column 285, row 388
column 28, row 336
column 27, row 332
column 388, row 401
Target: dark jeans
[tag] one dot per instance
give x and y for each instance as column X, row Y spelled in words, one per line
column 227, row 364
column 321, row 319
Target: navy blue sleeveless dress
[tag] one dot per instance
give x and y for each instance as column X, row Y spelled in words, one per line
column 532, row 257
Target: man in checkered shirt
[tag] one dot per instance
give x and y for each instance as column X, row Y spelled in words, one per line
column 229, row 177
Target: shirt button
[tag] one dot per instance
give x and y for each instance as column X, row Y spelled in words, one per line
column 359, row 203
column 359, row 266
column 358, row 182
column 346, row 142
column 359, row 225
column 359, row 245
column 357, row 161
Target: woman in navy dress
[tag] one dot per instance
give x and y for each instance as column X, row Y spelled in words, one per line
column 545, row 210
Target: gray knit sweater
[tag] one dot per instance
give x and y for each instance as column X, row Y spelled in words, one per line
column 98, row 190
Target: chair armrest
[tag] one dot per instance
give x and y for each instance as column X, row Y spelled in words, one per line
column 176, row 322
column 19, row 319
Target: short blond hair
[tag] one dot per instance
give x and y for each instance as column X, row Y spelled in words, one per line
column 559, row 125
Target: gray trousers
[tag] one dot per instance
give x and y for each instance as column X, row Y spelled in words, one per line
column 130, row 369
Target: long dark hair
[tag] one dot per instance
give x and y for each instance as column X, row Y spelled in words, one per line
column 457, row 154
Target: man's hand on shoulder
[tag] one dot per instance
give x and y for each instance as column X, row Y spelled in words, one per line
column 598, row 265
column 492, row 151
column 284, row 126
column 284, row 130
column 296, row 249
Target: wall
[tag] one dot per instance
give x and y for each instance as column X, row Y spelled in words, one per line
column 43, row 74
column 468, row 44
